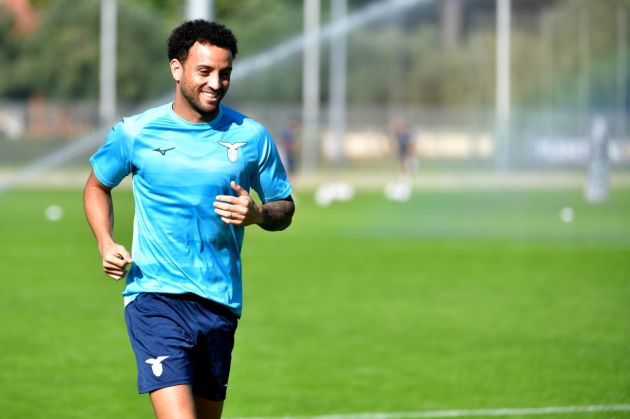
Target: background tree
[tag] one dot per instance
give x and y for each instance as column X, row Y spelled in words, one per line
column 399, row 58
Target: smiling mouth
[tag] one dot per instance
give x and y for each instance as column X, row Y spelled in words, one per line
column 210, row 95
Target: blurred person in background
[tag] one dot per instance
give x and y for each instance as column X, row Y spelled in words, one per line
column 289, row 144
column 403, row 139
column 193, row 162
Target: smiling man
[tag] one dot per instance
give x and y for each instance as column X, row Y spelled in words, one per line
column 193, row 163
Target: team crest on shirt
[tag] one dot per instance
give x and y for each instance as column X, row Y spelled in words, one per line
column 232, row 150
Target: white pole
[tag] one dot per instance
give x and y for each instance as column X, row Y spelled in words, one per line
column 337, row 85
column 107, row 96
column 584, row 89
column 451, row 21
column 547, row 71
column 622, row 71
column 503, row 82
column 310, row 86
column 200, row 9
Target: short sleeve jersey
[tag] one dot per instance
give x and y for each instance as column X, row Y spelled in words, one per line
column 180, row 245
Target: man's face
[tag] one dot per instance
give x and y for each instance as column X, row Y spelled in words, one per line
column 203, row 79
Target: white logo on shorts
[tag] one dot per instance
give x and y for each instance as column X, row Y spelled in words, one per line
column 156, row 365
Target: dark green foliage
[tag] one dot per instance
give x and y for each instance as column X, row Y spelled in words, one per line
column 403, row 61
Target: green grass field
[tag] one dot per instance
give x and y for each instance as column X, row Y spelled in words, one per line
column 454, row 300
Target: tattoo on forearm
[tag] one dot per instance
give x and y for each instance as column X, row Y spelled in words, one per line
column 277, row 215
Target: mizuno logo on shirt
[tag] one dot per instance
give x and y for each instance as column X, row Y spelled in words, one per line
column 163, row 152
column 232, row 150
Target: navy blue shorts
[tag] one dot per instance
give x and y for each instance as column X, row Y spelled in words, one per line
column 181, row 339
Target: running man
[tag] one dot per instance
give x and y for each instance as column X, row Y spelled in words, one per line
column 193, row 163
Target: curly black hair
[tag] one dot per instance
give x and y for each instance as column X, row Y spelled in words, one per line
column 184, row 36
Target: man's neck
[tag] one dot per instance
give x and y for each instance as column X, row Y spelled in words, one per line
column 185, row 111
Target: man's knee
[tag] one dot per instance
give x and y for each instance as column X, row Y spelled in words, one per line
column 208, row 409
column 175, row 402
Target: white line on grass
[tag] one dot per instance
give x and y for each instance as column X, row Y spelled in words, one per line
column 466, row 413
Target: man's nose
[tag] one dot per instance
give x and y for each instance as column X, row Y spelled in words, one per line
column 213, row 81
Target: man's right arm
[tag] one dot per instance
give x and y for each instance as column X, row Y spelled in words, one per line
column 99, row 211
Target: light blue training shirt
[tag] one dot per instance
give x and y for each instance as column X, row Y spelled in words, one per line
column 180, row 245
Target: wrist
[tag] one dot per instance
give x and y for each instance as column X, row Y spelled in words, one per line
column 104, row 244
column 260, row 214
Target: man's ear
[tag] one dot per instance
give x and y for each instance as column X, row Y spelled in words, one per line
column 176, row 69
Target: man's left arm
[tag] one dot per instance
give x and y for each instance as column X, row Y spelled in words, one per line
column 242, row 210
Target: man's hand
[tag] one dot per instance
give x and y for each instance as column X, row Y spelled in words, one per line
column 115, row 260
column 240, row 210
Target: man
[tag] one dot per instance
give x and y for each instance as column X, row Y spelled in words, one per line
column 404, row 143
column 289, row 145
column 193, row 162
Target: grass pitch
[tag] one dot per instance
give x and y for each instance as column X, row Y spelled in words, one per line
column 453, row 300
